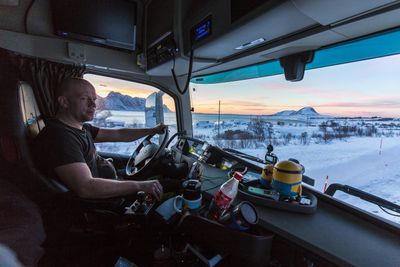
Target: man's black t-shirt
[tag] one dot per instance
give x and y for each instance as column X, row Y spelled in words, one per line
column 59, row 144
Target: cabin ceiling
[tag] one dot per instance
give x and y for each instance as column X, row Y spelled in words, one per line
column 288, row 27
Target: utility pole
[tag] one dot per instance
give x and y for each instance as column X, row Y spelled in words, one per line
column 219, row 115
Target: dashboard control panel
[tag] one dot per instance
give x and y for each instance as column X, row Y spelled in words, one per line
column 193, row 150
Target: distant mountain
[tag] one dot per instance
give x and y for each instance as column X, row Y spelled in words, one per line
column 118, row 101
column 285, row 113
column 306, row 111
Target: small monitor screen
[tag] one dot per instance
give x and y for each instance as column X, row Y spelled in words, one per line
column 106, row 22
column 202, row 30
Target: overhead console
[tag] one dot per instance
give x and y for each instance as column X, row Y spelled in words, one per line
column 214, row 30
column 224, row 31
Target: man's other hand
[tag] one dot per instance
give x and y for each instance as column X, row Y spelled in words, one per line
column 152, row 187
column 160, row 128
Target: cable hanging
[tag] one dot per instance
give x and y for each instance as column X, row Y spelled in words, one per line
column 189, row 75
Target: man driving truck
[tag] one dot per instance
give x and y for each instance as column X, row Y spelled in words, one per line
column 65, row 147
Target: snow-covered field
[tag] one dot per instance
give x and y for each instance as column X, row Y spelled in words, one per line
column 363, row 158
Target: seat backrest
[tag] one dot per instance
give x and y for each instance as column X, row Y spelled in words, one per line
column 29, row 110
column 33, row 123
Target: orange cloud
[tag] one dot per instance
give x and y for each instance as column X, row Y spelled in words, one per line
column 104, row 85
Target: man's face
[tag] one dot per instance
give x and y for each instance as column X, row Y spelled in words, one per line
column 80, row 102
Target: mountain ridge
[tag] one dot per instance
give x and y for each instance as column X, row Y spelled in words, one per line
column 306, row 111
column 120, row 102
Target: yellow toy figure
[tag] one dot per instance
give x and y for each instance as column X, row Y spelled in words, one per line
column 286, row 178
column 266, row 175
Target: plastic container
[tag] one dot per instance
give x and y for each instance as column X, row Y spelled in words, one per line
column 224, row 197
column 237, row 248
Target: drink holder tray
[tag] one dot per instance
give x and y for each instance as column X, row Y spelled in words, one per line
column 293, row 206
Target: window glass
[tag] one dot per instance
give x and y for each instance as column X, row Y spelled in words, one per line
column 123, row 104
column 341, row 122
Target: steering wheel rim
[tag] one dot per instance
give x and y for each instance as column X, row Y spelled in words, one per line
column 131, row 170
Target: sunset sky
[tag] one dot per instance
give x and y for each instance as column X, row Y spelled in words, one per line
column 368, row 88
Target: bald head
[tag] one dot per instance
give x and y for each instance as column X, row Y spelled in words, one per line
column 70, row 85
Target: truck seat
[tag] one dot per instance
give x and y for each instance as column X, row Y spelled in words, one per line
column 29, row 110
column 33, row 124
column 21, row 122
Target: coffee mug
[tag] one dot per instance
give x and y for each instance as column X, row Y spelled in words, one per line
column 186, row 203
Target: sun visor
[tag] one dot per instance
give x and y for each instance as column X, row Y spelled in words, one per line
column 327, row 12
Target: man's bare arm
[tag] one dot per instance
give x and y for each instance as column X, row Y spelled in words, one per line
column 78, row 178
column 126, row 134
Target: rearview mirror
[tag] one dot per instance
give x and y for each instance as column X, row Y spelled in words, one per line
column 294, row 65
column 154, row 109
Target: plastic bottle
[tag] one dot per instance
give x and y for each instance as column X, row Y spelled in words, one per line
column 224, row 197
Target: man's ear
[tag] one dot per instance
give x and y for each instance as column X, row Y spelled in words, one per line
column 62, row 102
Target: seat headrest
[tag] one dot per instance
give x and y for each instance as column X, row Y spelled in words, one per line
column 29, row 109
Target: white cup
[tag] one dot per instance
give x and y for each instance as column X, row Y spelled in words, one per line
column 190, row 204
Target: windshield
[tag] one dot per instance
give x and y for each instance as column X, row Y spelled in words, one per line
column 342, row 122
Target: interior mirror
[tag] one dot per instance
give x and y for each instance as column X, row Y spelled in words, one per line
column 294, row 65
column 154, row 109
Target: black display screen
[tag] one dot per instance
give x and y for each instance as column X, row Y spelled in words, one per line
column 159, row 20
column 106, row 22
column 202, row 30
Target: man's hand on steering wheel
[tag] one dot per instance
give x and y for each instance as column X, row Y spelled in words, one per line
column 152, row 187
column 146, row 153
column 160, row 128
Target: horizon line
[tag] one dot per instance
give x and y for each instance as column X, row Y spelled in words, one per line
column 319, row 115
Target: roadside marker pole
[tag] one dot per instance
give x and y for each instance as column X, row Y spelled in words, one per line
column 326, row 183
column 380, row 147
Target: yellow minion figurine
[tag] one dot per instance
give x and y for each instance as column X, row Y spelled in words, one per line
column 286, row 178
column 266, row 175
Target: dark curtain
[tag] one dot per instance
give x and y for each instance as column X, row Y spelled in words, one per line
column 44, row 77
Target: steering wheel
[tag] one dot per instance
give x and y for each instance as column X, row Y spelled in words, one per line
column 145, row 155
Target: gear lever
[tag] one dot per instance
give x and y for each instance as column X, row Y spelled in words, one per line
column 142, row 205
column 141, row 195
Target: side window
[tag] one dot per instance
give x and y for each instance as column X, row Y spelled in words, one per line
column 126, row 104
